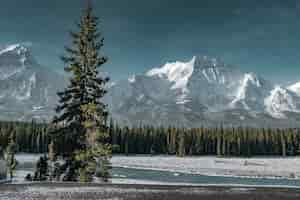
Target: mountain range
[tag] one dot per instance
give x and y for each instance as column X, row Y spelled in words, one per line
column 200, row 92
column 27, row 90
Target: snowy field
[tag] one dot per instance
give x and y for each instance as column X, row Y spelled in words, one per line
column 271, row 167
column 26, row 165
column 262, row 167
column 26, row 158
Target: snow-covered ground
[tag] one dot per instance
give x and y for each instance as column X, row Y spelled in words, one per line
column 26, row 165
column 26, row 158
column 275, row 167
column 261, row 167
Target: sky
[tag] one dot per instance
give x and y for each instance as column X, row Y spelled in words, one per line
column 261, row 36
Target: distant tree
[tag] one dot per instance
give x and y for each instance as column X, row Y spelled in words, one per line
column 283, row 143
column 181, row 145
column 219, row 136
column 10, row 159
column 41, row 173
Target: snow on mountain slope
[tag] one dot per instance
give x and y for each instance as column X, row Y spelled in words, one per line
column 25, row 85
column 13, row 60
column 213, row 83
column 248, row 81
column 201, row 90
column 212, row 69
column 251, row 93
column 279, row 101
column 295, row 88
column 12, row 48
column 178, row 73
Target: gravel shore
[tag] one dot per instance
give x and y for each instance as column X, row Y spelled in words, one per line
column 75, row 191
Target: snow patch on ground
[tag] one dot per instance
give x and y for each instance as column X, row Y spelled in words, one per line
column 26, row 165
column 261, row 167
column 214, row 166
column 27, row 158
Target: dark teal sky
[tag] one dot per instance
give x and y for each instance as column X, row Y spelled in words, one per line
column 258, row 35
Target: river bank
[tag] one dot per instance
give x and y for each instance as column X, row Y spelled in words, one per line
column 255, row 167
column 171, row 170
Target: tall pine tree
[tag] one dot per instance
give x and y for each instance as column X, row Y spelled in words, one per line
column 85, row 90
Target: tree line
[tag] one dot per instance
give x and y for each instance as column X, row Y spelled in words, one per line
column 34, row 137
column 30, row 137
column 220, row 141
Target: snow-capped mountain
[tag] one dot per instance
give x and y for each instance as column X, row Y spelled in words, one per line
column 27, row 90
column 282, row 100
column 295, row 88
column 202, row 91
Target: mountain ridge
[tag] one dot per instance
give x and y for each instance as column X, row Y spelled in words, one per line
column 207, row 87
column 27, row 90
column 201, row 91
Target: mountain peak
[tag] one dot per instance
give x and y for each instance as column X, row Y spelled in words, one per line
column 20, row 49
column 14, row 59
column 207, row 62
column 251, row 78
column 295, row 88
column 279, row 101
column 176, row 72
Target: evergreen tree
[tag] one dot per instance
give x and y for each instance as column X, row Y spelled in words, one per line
column 83, row 94
column 98, row 151
column 41, row 172
column 181, row 144
column 10, row 159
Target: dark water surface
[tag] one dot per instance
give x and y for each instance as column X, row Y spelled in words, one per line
column 171, row 177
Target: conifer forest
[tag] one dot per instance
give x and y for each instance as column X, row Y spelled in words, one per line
column 34, row 137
